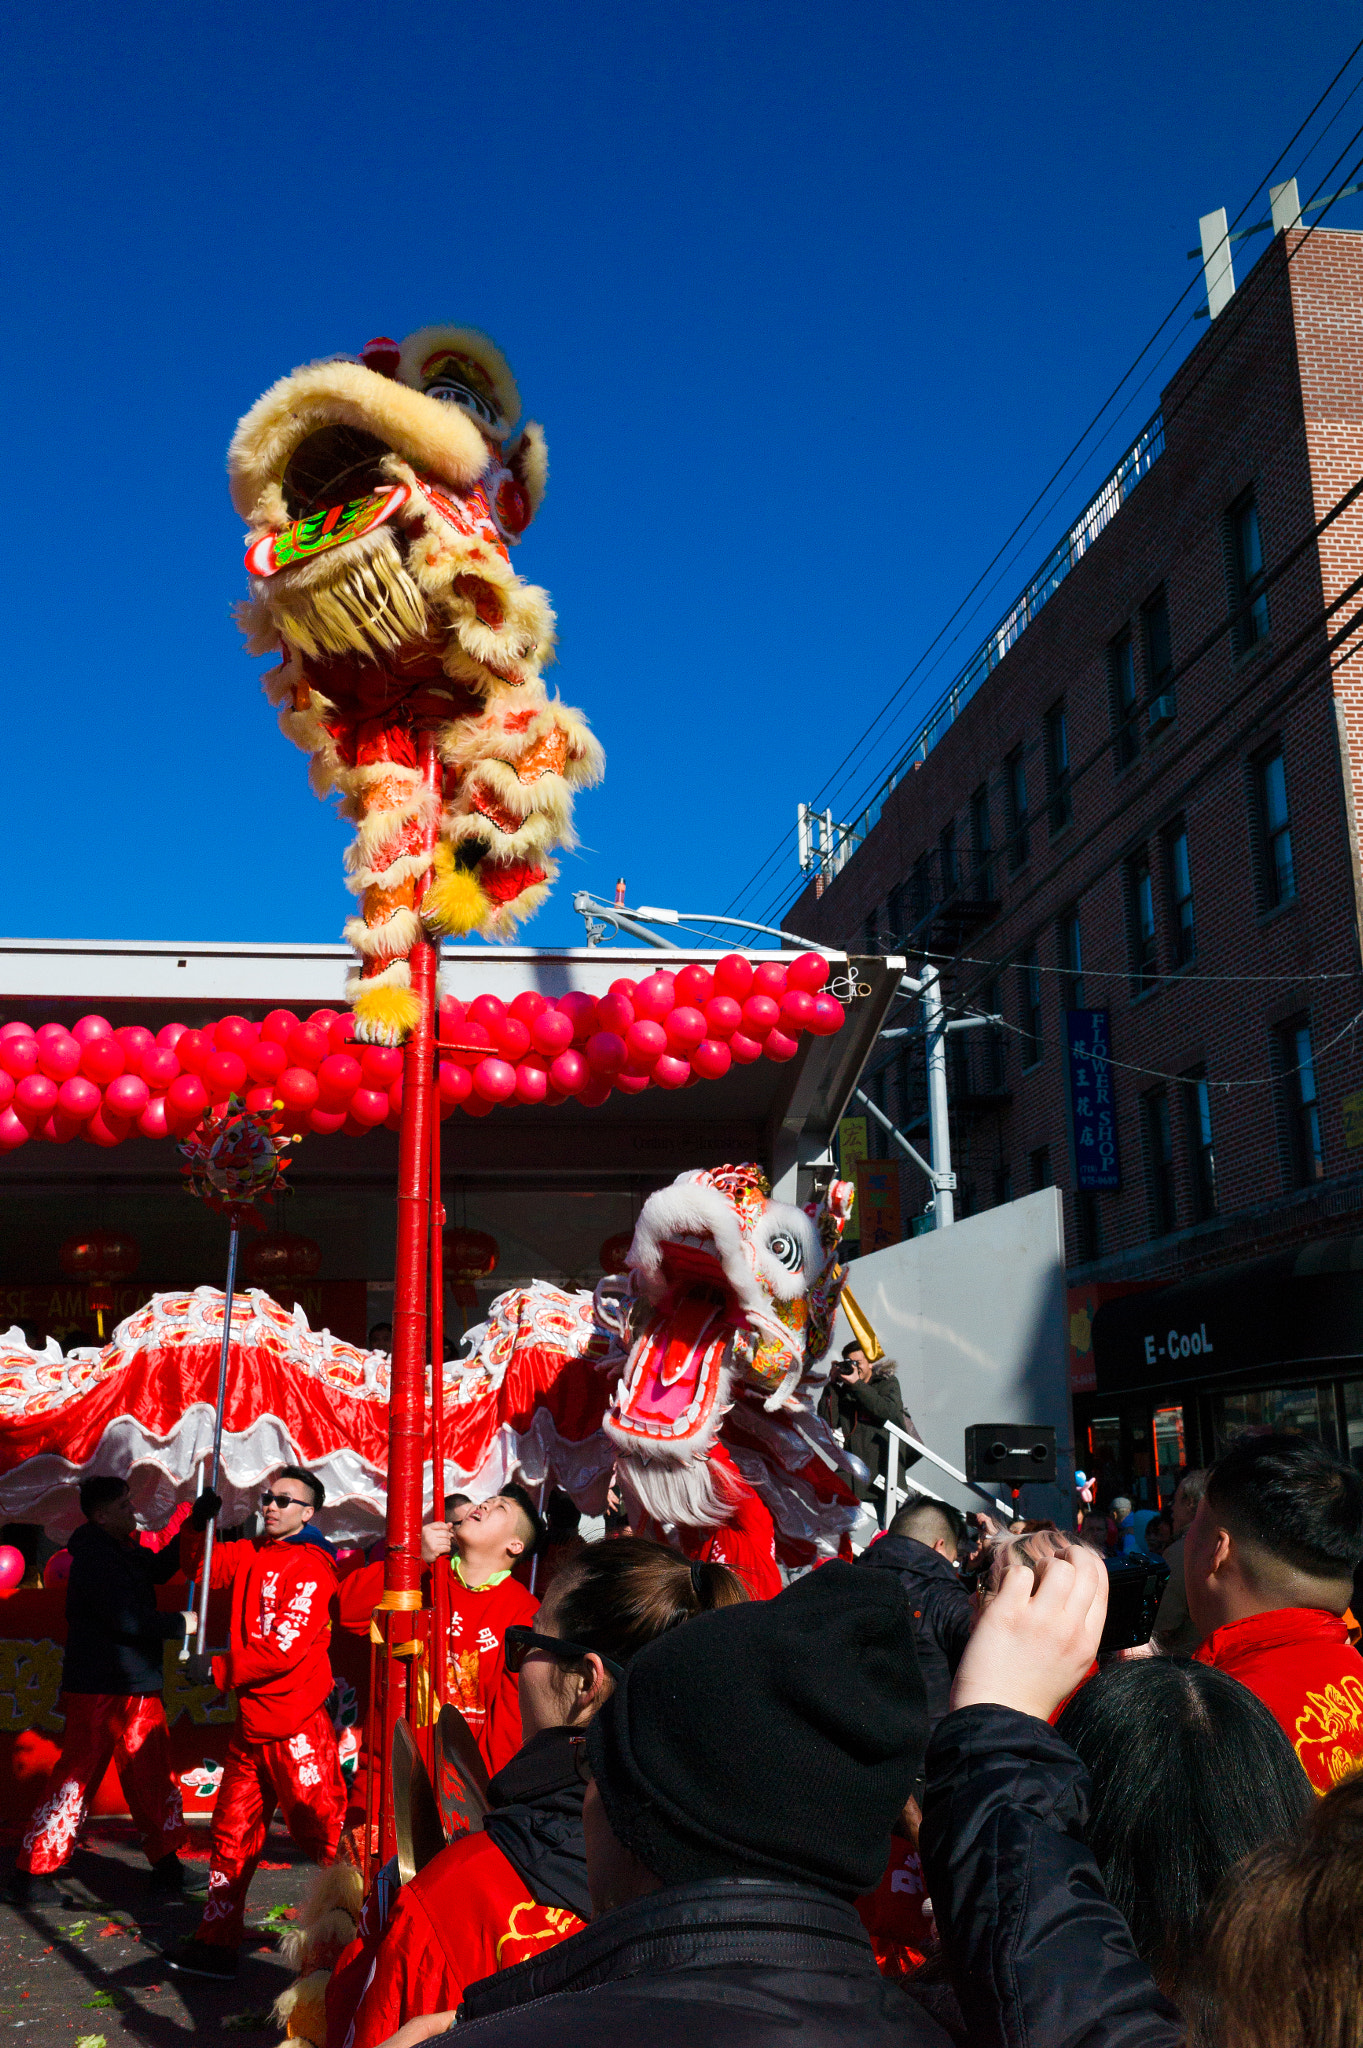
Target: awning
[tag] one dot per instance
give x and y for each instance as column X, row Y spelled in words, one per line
column 1294, row 1313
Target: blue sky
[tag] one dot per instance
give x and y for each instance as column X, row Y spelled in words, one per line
column 810, row 302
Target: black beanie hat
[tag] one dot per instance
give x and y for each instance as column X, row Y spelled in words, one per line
column 776, row 1739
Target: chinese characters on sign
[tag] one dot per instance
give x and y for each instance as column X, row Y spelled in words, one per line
column 1093, row 1113
column 878, row 1204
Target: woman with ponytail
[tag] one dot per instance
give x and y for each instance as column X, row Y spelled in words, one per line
column 520, row 1885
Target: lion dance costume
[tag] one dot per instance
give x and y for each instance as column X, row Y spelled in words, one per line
column 383, row 494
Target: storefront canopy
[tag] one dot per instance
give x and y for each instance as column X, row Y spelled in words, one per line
column 1294, row 1313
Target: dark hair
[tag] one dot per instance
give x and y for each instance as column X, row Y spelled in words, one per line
column 1192, row 1484
column 917, row 1507
column 1283, row 1947
column 1189, row 1773
column 310, row 1479
column 100, row 1492
column 513, row 1490
column 562, row 1516
column 1285, row 1495
column 617, row 1595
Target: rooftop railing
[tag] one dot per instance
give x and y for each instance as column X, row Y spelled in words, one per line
column 830, row 846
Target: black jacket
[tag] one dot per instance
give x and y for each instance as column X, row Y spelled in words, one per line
column 1038, row 1956
column 536, row 1821
column 114, row 1631
column 941, row 1611
column 860, row 1409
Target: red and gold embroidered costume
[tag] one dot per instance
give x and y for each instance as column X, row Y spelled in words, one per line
column 128, row 1730
column 1300, row 1663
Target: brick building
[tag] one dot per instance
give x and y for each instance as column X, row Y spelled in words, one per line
column 1143, row 796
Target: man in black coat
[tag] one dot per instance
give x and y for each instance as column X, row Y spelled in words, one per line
column 857, row 1402
column 745, row 1776
column 920, row 1547
column 111, row 1696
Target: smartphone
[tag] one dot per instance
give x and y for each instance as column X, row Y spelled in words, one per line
column 1135, row 1586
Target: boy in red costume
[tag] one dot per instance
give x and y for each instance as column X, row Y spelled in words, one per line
column 482, row 1540
column 1268, row 1568
column 283, row 1748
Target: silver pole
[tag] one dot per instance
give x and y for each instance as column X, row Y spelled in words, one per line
column 939, row 1131
column 202, row 1640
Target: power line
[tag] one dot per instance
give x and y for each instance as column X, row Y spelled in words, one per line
column 1193, row 1080
column 830, row 783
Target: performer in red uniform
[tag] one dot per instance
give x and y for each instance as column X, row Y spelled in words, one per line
column 520, row 1885
column 483, row 1540
column 111, row 1697
column 283, row 1748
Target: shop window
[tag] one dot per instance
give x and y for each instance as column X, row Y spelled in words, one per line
column 1170, row 1451
column 981, row 844
column 1029, row 1006
column 1071, row 961
column 1015, row 803
column 1039, row 1168
column 1125, row 694
column 1277, row 869
column 1060, row 799
column 1301, row 1102
column 1201, row 1147
column 1140, row 922
column 1309, row 1411
column 1353, row 1422
column 1159, row 1161
column 1180, row 883
column 1159, row 661
column 946, row 845
column 1247, row 575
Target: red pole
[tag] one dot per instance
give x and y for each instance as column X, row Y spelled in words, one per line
column 440, row 1576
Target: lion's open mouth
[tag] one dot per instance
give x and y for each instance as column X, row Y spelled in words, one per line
column 332, row 466
column 676, row 1371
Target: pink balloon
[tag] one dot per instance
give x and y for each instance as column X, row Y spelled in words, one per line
column 779, row 1045
column 326, row 1122
column 453, row 1083
column 12, row 1131
column 102, row 1060
column 57, row 1570
column 605, row 1052
column 19, row 1056
column 79, row 1098
column 656, row 997
column 104, row 1129
column 15, row 1030
column 695, row 986
column 723, row 1016
column 152, row 1122
column 829, row 1016
column 671, row 1072
column 733, row 976
column 296, row 1088
column 760, row 1015
column 12, row 1567
column 632, row 1084
column 6, row 1088
column 478, row 1105
column 569, row 1072
column 797, row 1010
column 186, row 1099
column 580, row 1009
column 127, row 1096
column 487, row 1011
column 511, row 1037
column 532, row 1082
column 86, row 1030
column 744, row 1049
column 594, row 1092
column 808, row 971
column 369, row 1106
column 528, row 1005
column 59, row 1056
column 338, row 1077
column 495, row 1080
column 614, row 1013
column 380, row 1065
column 35, row 1098
column 552, row 1031
column 136, row 1042
column 340, row 1032
column 685, row 1028
column 265, row 1061
column 711, row 1059
column 644, row 1041
column 625, row 987
column 769, row 979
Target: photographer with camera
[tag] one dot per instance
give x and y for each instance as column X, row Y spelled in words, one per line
column 859, row 1399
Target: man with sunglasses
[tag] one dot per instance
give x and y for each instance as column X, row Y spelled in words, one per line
column 282, row 1754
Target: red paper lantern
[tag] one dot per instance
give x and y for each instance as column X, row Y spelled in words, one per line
column 615, row 1250
column 279, row 1260
column 99, row 1258
column 469, row 1255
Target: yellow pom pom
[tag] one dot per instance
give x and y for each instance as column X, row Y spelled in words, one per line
column 384, row 1016
column 454, row 902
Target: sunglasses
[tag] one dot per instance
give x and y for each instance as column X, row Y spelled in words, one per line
column 520, row 1637
column 283, row 1500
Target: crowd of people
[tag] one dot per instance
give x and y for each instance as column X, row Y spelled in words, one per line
column 907, row 1798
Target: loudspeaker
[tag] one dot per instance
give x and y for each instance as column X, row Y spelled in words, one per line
column 1010, row 1452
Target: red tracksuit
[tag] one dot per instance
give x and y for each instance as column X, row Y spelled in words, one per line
column 465, row 1915
column 1302, row 1666
column 130, row 1731
column 478, row 1682
column 283, row 1748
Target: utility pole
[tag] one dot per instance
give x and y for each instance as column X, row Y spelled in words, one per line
column 939, row 1129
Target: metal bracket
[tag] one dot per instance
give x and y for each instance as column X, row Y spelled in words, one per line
column 938, row 1180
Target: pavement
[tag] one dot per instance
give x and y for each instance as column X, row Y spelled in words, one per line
column 94, row 1973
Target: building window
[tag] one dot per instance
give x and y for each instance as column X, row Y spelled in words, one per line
column 1039, row 1167
column 1159, row 660
column 920, row 890
column 1159, row 1161
column 1015, row 795
column 1180, row 883
column 1247, row 576
column 947, row 848
column 992, row 1059
column 1029, row 1002
column 1279, row 874
column 1140, row 912
column 1201, row 1149
column 894, row 911
column 982, row 844
column 1003, row 1184
column 870, row 932
column 1058, row 792
column 1121, row 663
column 1302, row 1101
column 1071, row 961
column 1087, row 1228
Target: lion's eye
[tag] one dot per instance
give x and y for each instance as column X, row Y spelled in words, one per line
column 450, row 393
column 786, row 1251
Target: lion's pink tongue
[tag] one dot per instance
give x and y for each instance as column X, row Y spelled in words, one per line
column 677, row 1350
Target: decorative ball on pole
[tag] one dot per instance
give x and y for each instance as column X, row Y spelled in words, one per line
column 615, row 1250
column 469, row 1255
column 280, row 1260
column 99, row 1257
